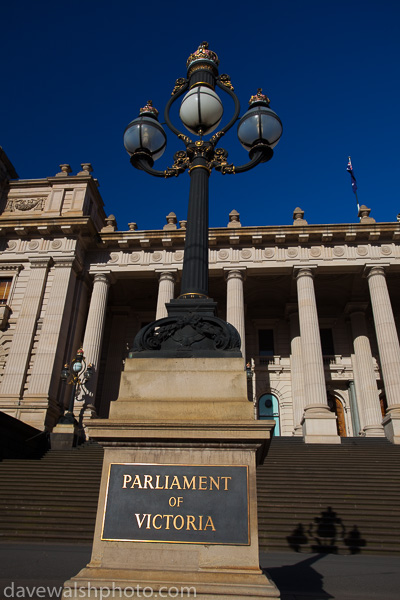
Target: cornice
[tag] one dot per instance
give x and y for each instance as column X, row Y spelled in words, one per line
column 42, row 226
column 283, row 235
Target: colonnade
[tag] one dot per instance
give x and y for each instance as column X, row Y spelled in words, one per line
column 313, row 419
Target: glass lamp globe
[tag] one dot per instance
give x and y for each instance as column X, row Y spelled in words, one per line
column 77, row 366
column 201, row 110
column 259, row 125
column 145, row 134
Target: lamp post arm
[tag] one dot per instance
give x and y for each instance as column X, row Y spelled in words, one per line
column 231, row 93
column 260, row 155
column 142, row 162
column 170, row 102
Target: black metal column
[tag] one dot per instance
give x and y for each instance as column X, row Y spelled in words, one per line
column 195, row 263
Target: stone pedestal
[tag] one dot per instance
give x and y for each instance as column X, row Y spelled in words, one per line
column 62, row 437
column 391, row 424
column 178, row 506
column 319, row 425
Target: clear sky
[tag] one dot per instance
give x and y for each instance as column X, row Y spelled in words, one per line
column 75, row 73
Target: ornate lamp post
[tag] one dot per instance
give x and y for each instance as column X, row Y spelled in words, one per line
column 79, row 375
column 191, row 328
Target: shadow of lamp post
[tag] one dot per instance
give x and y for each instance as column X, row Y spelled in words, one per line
column 192, row 328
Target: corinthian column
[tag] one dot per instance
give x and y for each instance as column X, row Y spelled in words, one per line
column 296, row 368
column 319, row 424
column 364, row 374
column 235, row 303
column 389, row 348
column 95, row 327
column 165, row 292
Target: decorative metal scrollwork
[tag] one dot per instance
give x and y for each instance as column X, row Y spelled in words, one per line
column 179, row 83
column 189, row 332
column 181, row 163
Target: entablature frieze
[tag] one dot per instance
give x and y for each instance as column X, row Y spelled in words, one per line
column 322, row 260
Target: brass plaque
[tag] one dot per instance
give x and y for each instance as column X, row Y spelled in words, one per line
column 192, row 504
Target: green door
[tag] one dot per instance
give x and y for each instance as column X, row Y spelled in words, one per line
column 268, row 408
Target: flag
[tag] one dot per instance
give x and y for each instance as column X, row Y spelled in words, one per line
column 353, row 179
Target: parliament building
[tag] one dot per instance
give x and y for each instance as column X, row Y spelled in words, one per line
column 317, row 306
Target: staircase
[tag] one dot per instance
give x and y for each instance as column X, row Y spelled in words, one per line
column 311, row 497
column 51, row 499
column 330, row 498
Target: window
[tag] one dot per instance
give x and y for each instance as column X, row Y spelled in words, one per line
column 5, row 286
column 266, row 342
column 327, row 342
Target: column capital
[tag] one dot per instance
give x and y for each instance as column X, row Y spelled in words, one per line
column 235, row 273
column 353, row 308
column 70, row 262
column 167, row 274
column 105, row 277
column 304, row 271
column 375, row 269
column 40, row 262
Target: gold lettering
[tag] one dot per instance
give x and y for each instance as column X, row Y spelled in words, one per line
column 189, row 484
column 137, row 482
column 226, row 482
column 200, row 522
column 147, row 482
column 216, row 483
column 166, row 482
column 175, row 483
column 140, row 522
column 190, row 522
column 127, row 479
column 209, row 523
column 182, row 521
column 168, row 517
column 154, row 521
column 157, row 483
column 202, row 482
column 148, row 522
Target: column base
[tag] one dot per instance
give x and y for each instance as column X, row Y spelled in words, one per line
column 374, row 431
column 298, row 431
column 319, row 425
column 391, row 424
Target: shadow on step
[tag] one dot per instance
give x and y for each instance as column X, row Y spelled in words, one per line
column 325, row 534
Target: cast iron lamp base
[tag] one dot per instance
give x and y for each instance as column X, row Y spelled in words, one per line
column 190, row 330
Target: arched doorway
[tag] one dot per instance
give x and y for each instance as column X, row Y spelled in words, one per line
column 268, row 408
column 336, row 407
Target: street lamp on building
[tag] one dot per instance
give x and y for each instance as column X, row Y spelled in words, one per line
column 201, row 111
column 76, row 375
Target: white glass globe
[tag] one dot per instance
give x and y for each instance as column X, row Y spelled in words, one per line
column 145, row 133
column 201, row 110
column 260, row 125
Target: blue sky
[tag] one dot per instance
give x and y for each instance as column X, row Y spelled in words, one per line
column 75, row 74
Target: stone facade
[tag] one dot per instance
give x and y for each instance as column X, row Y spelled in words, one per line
column 317, row 306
